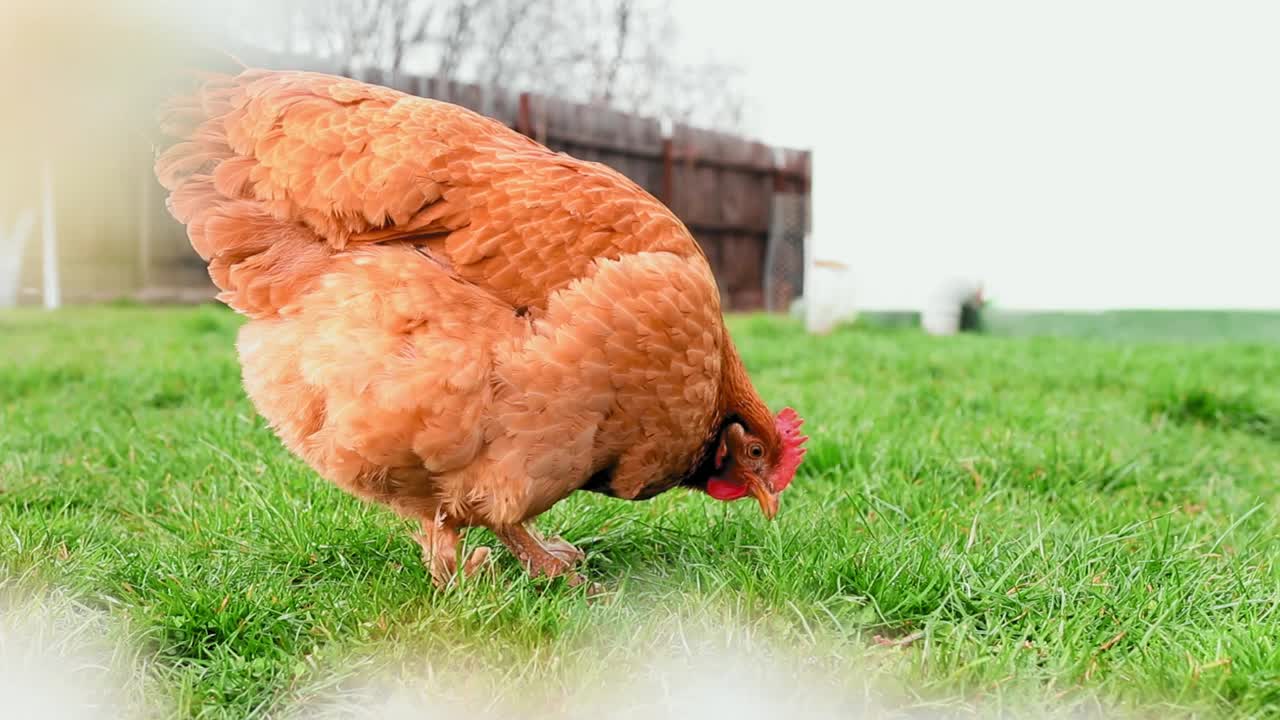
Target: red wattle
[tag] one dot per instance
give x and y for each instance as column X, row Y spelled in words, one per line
column 725, row 490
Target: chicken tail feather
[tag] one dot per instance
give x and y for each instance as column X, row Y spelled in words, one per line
column 259, row 260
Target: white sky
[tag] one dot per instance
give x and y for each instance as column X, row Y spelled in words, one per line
column 1078, row 154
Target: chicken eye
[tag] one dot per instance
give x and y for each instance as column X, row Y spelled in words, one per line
column 756, row 451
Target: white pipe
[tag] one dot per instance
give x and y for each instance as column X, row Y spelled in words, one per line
column 49, row 234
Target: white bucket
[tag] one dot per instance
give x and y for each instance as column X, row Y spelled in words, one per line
column 828, row 296
column 941, row 320
column 942, row 314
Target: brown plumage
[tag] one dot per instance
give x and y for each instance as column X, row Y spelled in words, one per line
column 450, row 319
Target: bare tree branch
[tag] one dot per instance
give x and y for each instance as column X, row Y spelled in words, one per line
column 617, row 54
column 622, row 21
column 458, row 38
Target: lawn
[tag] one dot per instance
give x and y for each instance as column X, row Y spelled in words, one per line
column 983, row 523
column 1149, row 325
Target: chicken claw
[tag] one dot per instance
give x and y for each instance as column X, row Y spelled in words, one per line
column 440, row 541
column 540, row 556
column 560, row 548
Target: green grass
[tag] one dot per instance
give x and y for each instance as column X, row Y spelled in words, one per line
column 982, row 522
column 1143, row 325
column 1168, row 326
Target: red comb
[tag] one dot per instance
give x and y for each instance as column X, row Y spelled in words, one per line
column 788, row 424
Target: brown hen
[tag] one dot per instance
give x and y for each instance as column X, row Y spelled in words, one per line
column 452, row 320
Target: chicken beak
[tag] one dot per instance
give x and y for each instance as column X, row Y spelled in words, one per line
column 764, row 494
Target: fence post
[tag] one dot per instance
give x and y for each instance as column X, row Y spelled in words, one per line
column 144, row 231
column 774, row 236
column 12, row 246
column 49, row 234
column 668, row 164
column 524, row 116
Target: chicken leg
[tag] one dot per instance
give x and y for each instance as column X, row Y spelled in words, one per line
column 540, row 556
column 440, row 540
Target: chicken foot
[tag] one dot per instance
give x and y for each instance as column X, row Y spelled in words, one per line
column 441, row 544
column 540, row 556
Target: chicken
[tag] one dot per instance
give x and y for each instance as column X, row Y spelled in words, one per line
column 448, row 318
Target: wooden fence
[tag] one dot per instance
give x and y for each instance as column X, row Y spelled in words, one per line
column 729, row 191
column 723, row 187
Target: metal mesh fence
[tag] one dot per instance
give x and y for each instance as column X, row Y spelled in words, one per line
column 784, row 257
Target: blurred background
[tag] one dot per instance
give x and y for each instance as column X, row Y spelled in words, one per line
column 988, row 164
